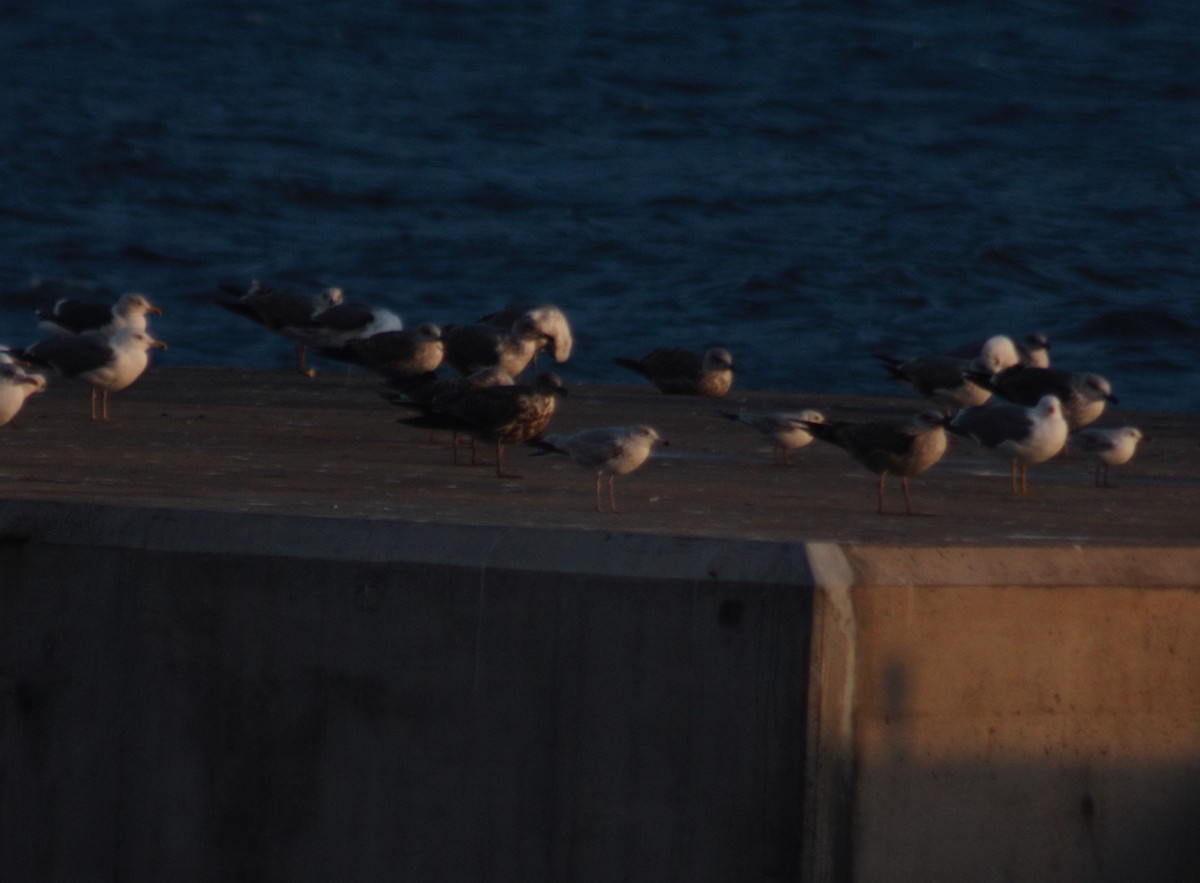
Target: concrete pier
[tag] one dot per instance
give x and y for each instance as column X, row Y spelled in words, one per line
column 254, row 629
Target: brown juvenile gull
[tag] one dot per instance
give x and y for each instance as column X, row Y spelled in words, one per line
column 471, row 348
column 107, row 364
column 15, row 387
column 498, row 414
column 787, row 431
column 1026, row 436
column 890, row 447
column 1083, row 395
column 683, row 372
column 547, row 319
column 1109, row 447
column 280, row 310
column 610, row 450
column 393, row 354
column 71, row 316
column 421, row 390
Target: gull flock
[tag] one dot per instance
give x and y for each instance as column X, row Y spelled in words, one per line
column 482, row 382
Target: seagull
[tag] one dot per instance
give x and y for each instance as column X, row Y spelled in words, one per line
column 470, row 348
column 1082, row 395
column 787, row 431
column 547, row 319
column 1109, row 447
column 941, row 379
column 421, row 390
column 890, row 447
column 683, row 372
column 108, row 364
column 1035, row 350
column 338, row 324
column 1026, row 436
column 15, row 387
column 499, row 414
column 610, row 450
column 71, row 316
column 393, row 354
column 944, row 378
column 280, row 310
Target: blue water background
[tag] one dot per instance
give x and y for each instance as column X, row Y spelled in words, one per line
column 804, row 183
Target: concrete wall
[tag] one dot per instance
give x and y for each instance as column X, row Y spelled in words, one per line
column 200, row 696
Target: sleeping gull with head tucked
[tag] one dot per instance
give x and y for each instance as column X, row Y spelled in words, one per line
column 609, row 450
column 1025, row 436
column 682, row 372
column 1108, row 447
column 890, row 447
column 107, row 364
column 787, row 431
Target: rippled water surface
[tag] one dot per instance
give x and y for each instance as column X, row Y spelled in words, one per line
column 804, row 183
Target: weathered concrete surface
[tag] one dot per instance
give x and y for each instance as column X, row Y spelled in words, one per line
column 253, row 629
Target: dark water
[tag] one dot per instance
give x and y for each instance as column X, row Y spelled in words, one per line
column 805, row 183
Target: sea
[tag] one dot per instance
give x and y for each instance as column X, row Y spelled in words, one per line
column 808, row 184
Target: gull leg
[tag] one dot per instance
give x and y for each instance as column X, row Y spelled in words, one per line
column 94, row 417
column 907, row 499
column 1024, row 479
column 612, row 500
column 302, row 361
column 598, row 509
column 104, row 404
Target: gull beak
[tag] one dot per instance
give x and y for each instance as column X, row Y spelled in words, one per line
column 158, row 345
column 157, row 311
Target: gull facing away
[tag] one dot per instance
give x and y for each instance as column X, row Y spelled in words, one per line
column 683, row 372
column 547, row 319
column 280, row 310
column 71, row 316
column 1025, row 436
column 503, row 415
column 15, row 387
column 787, row 431
column 108, row 365
column 1082, row 395
column 1108, row 447
column 890, row 447
column 610, row 450
column 394, row 355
